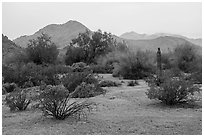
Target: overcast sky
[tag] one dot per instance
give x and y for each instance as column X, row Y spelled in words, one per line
column 178, row 18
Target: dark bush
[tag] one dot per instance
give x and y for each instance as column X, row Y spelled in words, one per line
column 132, row 83
column 85, row 90
column 79, row 67
column 73, row 80
column 17, row 100
column 42, row 50
column 9, row 87
column 186, row 58
column 171, row 90
column 19, row 56
column 101, row 69
column 26, row 75
column 108, row 83
column 74, row 55
column 56, row 102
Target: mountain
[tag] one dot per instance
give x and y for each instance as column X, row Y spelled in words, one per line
column 8, row 47
column 135, row 36
column 61, row 34
column 166, row 43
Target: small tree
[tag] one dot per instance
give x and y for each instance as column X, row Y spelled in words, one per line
column 89, row 46
column 42, row 50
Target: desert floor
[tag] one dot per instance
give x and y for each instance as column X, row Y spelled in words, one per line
column 122, row 110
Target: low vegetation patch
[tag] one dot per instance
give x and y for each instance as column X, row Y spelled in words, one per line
column 108, row 83
column 9, row 87
column 82, row 84
column 132, row 83
column 171, row 90
column 56, row 102
column 17, row 100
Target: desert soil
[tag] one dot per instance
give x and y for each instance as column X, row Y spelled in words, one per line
column 122, row 110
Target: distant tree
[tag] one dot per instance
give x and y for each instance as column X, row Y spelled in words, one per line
column 91, row 46
column 42, row 50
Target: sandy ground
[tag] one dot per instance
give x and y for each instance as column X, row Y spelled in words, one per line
column 121, row 111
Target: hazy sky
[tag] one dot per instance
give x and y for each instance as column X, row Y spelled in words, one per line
column 179, row 18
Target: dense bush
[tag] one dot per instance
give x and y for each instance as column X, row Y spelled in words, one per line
column 73, row 80
column 17, row 100
column 108, row 83
column 101, row 69
column 187, row 58
column 42, row 50
column 26, row 75
column 171, row 90
column 19, row 56
column 85, row 90
column 56, row 102
column 74, row 55
column 133, row 66
column 9, row 87
column 132, row 83
column 79, row 67
column 105, row 63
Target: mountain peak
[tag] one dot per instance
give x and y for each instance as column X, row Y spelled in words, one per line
column 61, row 34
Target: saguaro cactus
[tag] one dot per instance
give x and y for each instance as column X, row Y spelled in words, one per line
column 159, row 67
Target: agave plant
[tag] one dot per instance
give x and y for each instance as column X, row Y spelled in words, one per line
column 57, row 102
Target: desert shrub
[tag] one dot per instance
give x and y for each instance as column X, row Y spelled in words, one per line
column 27, row 75
column 21, row 73
column 108, row 83
column 105, row 63
column 56, row 102
column 186, row 58
column 28, row 84
column 8, row 73
column 74, row 55
column 132, row 83
column 74, row 81
column 101, row 69
column 116, row 70
column 196, row 77
column 134, row 66
column 79, row 67
column 85, row 90
column 171, row 90
column 42, row 50
column 19, row 56
column 166, row 60
column 196, row 69
column 17, row 100
column 9, row 87
column 3, row 90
